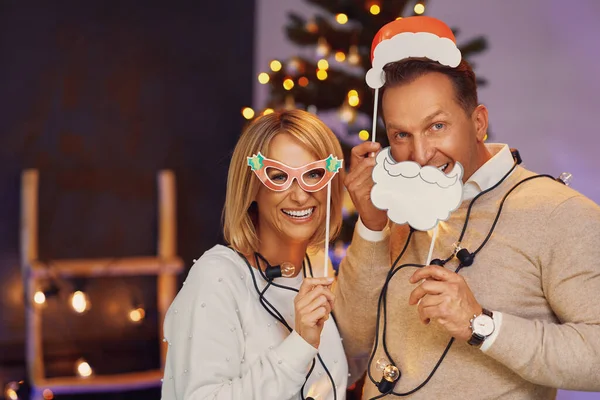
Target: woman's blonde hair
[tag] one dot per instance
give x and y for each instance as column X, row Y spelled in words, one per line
column 239, row 212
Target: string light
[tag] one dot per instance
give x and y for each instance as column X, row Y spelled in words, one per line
column 80, row 302
column 11, row 389
column 39, row 297
column 340, row 56
column 268, row 111
column 288, row 84
column 82, row 368
column 290, row 103
column 48, row 395
column 248, row 112
column 303, row 81
column 263, row 78
column 322, row 64
column 363, row 135
column 347, row 114
column 137, row 315
column 322, row 47
column 294, row 66
column 321, row 74
column 375, row 9
column 353, row 56
column 353, row 98
column 312, row 27
column 398, row 18
column 275, row 65
column 11, row 394
column 419, row 8
column 341, row 18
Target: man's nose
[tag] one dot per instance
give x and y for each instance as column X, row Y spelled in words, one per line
column 422, row 151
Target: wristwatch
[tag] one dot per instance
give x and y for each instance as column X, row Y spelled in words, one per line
column 482, row 326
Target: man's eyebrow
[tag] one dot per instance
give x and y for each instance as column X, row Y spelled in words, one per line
column 427, row 119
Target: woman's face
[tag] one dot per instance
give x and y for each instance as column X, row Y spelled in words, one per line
column 292, row 215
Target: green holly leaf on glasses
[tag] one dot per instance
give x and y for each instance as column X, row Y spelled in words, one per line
column 256, row 162
column 333, row 164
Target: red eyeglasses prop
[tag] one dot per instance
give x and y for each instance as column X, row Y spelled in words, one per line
column 278, row 177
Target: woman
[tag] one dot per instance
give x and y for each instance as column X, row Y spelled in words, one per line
column 233, row 331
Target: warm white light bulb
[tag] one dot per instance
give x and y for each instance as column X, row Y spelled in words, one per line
column 137, row 315
column 39, row 297
column 391, row 373
column 80, row 302
column 287, row 269
column 566, row 178
column 83, row 368
column 11, row 394
column 381, row 364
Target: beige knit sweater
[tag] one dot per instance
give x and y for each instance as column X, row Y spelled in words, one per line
column 541, row 269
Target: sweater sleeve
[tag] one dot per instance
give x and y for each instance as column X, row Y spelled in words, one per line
column 206, row 345
column 362, row 274
column 564, row 355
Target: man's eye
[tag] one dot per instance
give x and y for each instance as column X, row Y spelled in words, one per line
column 437, row 126
column 401, row 135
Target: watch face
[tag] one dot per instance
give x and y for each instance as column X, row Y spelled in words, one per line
column 483, row 325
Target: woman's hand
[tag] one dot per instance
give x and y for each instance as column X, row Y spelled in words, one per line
column 313, row 304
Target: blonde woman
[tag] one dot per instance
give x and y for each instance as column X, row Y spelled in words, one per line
column 238, row 329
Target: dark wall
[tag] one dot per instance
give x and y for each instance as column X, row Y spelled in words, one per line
column 99, row 96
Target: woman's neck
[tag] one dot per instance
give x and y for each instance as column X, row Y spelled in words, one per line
column 280, row 254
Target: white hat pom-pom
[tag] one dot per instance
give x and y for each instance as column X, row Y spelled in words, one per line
column 375, row 78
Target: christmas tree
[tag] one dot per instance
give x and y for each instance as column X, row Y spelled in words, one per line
column 332, row 84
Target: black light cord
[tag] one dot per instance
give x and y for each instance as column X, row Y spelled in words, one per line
column 277, row 315
column 382, row 303
column 472, row 203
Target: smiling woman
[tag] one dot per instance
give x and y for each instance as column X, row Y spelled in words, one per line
column 229, row 335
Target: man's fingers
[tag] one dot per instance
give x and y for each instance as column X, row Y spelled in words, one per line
column 432, row 272
column 427, row 287
column 360, row 152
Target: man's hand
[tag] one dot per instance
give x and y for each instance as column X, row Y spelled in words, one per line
column 444, row 298
column 359, row 182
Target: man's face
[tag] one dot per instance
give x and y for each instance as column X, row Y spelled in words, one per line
column 426, row 124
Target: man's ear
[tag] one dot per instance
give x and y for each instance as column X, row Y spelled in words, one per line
column 480, row 121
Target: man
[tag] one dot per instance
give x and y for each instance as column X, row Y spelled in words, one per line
column 524, row 315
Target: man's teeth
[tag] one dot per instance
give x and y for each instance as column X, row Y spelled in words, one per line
column 443, row 167
column 299, row 213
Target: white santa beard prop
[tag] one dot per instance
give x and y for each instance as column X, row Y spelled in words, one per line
column 419, row 196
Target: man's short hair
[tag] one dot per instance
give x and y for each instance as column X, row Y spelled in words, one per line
column 462, row 77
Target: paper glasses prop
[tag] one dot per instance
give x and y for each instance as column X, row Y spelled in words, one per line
column 311, row 177
column 419, row 196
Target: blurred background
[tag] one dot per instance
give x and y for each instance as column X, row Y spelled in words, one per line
column 98, row 97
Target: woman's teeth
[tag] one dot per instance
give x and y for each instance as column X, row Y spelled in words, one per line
column 299, row 213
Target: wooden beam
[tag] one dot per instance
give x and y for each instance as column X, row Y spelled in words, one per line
column 102, row 383
column 29, row 252
column 167, row 247
column 103, row 267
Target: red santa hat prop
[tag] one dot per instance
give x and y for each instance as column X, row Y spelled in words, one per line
column 411, row 37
